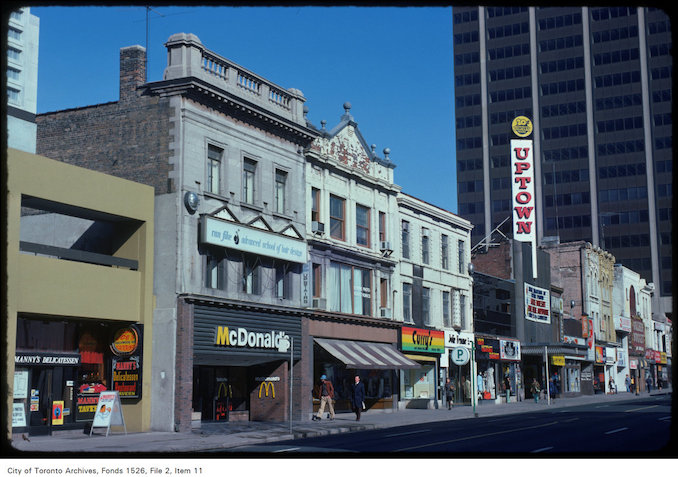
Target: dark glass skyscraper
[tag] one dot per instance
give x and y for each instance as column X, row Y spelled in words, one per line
column 596, row 83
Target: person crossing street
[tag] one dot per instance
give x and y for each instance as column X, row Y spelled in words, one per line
column 326, row 397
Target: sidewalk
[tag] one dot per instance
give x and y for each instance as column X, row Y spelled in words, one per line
column 222, row 436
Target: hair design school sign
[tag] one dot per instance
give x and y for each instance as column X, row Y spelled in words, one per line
column 237, row 236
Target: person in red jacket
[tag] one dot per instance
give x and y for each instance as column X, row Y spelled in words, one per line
column 326, row 396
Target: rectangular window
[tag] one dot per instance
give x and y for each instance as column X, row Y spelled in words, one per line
column 424, row 245
column 280, row 181
column 315, row 205
column 337, row 217
column 462, row 263
column 317, row 280
column 349, row 289
column 426, row 305
column 446, row 309
column 214, row 155
column 248, row 181
column 282, row 281
column 383, row 292
column 382, row 227
column 250, row 276
column 405, row 234
column 214, row 272
column 13, row 74
column 407, row 302
column 444, row 252
column 362, row 224
column 14, row 54
column 14, row 34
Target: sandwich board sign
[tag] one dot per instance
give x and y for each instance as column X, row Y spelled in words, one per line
column 109, row 412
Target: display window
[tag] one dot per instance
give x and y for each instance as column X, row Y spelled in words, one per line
column 418, row 383
column 572, row 380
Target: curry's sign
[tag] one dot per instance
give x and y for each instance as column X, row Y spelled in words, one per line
column 242, row 338
column 249, row 239
column 417, row 339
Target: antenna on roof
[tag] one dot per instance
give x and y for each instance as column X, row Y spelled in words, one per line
column 148, row 28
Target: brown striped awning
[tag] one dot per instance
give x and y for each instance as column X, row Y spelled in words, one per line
column 366, row 354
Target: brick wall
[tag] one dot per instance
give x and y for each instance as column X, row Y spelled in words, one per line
column 496, row 262
column 129, row 138
column 183, row 394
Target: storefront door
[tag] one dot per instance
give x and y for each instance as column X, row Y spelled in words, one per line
column 218, row 391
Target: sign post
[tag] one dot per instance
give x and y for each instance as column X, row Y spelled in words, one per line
column 109, row 412
column 288, row 342
column 461, row 356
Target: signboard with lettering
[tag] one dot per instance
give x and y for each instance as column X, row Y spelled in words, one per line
column 458, row 338
column 509, row 350
column 248, row 239
column 537, row 304
column 108, row 412
column 57, row 413
column 558, row 360
column 18, row 414
column 423, row 340
column 43, row 358
column 85, row 407
column 574, row 340
column 487, row 348
column 600, row 354
column 126, row 376
column 637, row 342
column 622, row 323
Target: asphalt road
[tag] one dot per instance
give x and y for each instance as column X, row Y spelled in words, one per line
column 621, row 429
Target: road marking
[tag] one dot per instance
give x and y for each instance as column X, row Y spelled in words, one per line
column 287, row 450
column 477, row 436
column 640, row 408
column 606, row 405
column 406, row 433
column 571, row 419
column 618, row 430
column 665, row 418
column 541, row 450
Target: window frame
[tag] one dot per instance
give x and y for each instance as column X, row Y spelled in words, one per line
column 407, row 303
column 425, row 246
column 249, row 181
column 366, row 228
column 340, row 221
column 215, row 155
column 251, row 275
column 405, row 238
column 280, row 190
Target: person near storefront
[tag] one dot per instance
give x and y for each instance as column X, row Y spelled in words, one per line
column 613, row 388
column 552, row 388
column 535, row 389
column 449, row 392
column 648, row 381
column 358, row 397
column 466, row 384
column 326, row 397
column 627, row 381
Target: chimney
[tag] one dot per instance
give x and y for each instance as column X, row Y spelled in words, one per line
column 132, row 71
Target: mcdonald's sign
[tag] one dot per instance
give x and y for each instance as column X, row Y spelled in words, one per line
column 266, row 385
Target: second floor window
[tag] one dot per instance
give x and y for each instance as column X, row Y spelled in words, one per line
column 426, row 305
column 337, row 217
column 315, row 205
column 424, row 246
column 250, row 276
column 382, row 226
column 461, row 257
column 444, row 253
column 214, row 155
column 214, row 272
column 407, row 302
column 462, row 312
column 283, row 277
column 280, row 182
column 249, row 180
column 405, row 233
column 446, row 310
column 349, row 289
column 362, row 222
column 317, row 280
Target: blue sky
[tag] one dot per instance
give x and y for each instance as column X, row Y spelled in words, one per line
column 394, row 65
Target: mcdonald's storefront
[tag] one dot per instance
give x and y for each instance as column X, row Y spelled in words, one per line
column 241, row 362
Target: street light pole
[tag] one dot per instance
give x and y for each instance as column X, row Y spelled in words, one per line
column 548, row 389
column 291, row 377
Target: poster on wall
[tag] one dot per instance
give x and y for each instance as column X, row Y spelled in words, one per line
column 18, row 414
column 536, row 304
column 20, row 384
column 126, row 376
column 509, row 350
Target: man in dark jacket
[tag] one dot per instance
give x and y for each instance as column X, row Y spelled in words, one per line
column 326, row 396
column 357, row 397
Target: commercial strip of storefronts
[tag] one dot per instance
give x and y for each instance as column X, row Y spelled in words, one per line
column 80, row 268
column 499, row 363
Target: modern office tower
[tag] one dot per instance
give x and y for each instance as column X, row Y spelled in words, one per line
column 596, row 83
column 22, row 79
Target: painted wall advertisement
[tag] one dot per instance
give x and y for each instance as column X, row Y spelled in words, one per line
column 537, row 302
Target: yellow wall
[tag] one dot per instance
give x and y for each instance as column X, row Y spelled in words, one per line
column 49, row 286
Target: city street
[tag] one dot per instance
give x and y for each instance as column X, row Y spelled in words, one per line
column 639, row 427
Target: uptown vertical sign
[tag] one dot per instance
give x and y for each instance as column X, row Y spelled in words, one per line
column 522, row 186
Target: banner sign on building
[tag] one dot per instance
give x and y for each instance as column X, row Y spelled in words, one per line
column 536, row 304
column 621, row 358
column 423, row 340
column 458, row 338
column 126, row 376
column 574, row 340
column 487, row 348
column 306, row 285
column 248, row 239
column 610, row 355
column 600, row 354
column 509, row 350
column 522, row 187
column 558, row 360
column 622, row 323
column 637, row 344
column 590, row 341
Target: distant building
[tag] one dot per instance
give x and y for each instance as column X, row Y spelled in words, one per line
column 23, row 34
column 597, row 84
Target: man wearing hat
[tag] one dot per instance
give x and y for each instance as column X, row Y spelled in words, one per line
column 326, row 396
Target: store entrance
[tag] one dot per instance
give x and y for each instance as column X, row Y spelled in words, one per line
column 47, row 387
column 219, row 391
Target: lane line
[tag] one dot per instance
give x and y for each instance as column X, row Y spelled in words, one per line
column 640, row 408
column 571, row 419
column 406, row 433
column 666, row 418
column 287, row 450
column 541, row 450
column 618, row 430
column 477, row 436
column 605, row 405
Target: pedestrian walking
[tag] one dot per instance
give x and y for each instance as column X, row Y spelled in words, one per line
column 507, row 387
column 534, row 388
column 449, row 392
column 613, row 388
column 627, row 381
column 326, row 397
column 648, row 381
column 466, row 384
column 552, row 388
column 358, row 397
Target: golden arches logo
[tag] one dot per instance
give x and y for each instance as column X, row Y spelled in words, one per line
column 228, row 391
column 267, row 385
